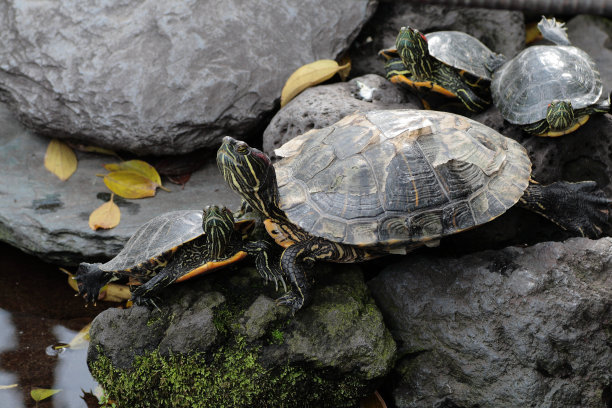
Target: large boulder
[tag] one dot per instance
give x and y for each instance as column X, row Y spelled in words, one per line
column 161, row 77
column 517, row 327
column 225, row 340
column 47, row 217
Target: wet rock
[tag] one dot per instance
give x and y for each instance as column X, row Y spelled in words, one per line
column 516, row 327
column 333, row 350
column 162, row 78
column 47, row 217
column 593, row 34
column 324, row 105
column 502, row 31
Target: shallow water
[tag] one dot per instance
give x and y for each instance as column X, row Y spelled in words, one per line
column 38, row 310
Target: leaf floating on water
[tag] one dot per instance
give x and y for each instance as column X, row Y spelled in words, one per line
column 130, row 184
column 39, row 394
column 106, row 216
column 81, row 340
column 374, row 400
column 8, row 387
column 309, row 75
column 60, row 159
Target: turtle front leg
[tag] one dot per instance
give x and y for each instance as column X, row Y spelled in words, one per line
column 91, row 279
column 267, row 261
column 580, row 207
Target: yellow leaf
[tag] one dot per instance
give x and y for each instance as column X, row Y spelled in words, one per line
column 345, row 69
column 60, row 159
column 307, row 76
column 141, row 167
column 117, row 293
column 73, row 283
column 532, row 33
column 100, row 150
column 129, row 184
column 106, row 216
column 81, row 340
column 7, row 387
column 39, row 394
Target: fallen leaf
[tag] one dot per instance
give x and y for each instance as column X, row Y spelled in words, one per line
column 81, row 340
column 309, row 75
column 130, row 184
column 7, row 387
column 345, row 69
column 532, row 33
column 60, row 159
column 180, row 180
column 106, row 216
column 39, row 394
column 114, row 292
column 139, row 166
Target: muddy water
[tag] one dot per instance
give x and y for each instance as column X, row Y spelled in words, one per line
column 37, row 310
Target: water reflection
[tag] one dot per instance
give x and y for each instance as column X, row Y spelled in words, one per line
column 8, row 341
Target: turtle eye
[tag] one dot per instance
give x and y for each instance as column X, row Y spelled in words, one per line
column 242, row 148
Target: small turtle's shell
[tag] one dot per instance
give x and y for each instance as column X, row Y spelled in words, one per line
column 388, row 178
column 160, row 234
column 461, row 51
column 524, row 86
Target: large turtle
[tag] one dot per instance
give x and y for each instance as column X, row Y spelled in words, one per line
column 549, row 90
column 386, row 182
column 174, row 247
column 449, row 63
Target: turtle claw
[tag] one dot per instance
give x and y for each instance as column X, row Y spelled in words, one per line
column 291, row 300
column 145, row 301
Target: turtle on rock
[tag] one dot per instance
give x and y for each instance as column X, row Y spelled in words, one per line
column 386, row 182
column 174, row 247
column 549, row 90
column 448, row 63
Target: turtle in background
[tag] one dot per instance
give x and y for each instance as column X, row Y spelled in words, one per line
column 549, row 90
column 176, row 246
column 450, row 64
column 386, row 182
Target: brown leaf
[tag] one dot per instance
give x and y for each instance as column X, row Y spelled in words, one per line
column 373, row 400
column 130, row 184
column 106, row 216
column 309, row 75
column 60, row 159
column 180, row 180
column 345, row 68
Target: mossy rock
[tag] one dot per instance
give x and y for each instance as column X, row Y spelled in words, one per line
column 253, row 353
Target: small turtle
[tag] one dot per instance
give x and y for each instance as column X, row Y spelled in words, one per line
column 449, row 63
column 174, row 247
column 549, row 90
column 385, row 182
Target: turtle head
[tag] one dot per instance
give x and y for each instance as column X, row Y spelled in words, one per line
column 559, row 115
column 218, row 225
column 250, row 173
column 413, row 49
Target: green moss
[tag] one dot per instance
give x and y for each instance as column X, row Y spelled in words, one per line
column 231, row 377
column 277, row 336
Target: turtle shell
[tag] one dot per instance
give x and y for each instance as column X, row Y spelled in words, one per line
column 388, row 178
column 524, row 86
column 461, row 51
column 160, row 234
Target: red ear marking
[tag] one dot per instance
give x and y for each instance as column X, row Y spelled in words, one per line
column 261, row 156
column 423, row 37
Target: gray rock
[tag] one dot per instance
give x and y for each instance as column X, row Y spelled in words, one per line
column 162, row 78
column 47, row 217
column 502, row 31
column 516, row 327
column 256, row 319
column 593, row 34
column 324, row 105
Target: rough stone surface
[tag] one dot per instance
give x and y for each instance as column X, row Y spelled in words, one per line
column 516, row 327
column 324, row 105
column 593, row 34
column 502, row 31
column 47, row 217
column 162, row 78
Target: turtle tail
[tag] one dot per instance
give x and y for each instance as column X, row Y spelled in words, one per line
column 90, row 279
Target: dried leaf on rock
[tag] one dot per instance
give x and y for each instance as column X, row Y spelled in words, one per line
column 114, row 292
column 180, row 180
column 345, row 68
column 130, row 184
column 106, row 216
column 60, row 159
column 39, row 394
column 309, row 75
column 139, row 166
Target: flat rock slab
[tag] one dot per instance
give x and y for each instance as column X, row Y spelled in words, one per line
column 514, row 328
column 162, row 77
column 47, row 217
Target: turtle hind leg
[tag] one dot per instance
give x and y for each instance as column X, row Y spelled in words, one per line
column 90, row 280
column 580, row 208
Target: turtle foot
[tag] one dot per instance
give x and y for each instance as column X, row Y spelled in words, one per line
column 148, row 302
column 292, row 301
column 90, row 280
